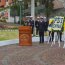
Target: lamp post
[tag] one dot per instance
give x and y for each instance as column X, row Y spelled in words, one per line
column 20, row 3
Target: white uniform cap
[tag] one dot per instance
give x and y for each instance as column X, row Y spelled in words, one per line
column 41, row 16
column 38, row 17
column 31, row 16
column 44, row 17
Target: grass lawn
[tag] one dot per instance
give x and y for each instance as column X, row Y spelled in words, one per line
column 11, row 34
column 8, row 34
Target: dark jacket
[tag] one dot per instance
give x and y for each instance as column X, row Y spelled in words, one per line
column 46, row 26
column 31, row 23
column 37, row 24
column 41, row 26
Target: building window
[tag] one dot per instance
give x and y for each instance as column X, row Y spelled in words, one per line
column 12, row 0
column 0, row 0
column 35, row 4
column 42, row 2
column 6, row 0
column 26, row 6
column 38, row 3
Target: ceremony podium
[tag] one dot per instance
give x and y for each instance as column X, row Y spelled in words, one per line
column 25, row 36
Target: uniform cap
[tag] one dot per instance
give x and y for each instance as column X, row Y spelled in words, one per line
column 31, row 16
column 41, row 16
column 38, row 17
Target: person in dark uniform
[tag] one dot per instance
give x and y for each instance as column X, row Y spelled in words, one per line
column 37, row 25
column 31, row 23
column 41, row 29
column 46, row 23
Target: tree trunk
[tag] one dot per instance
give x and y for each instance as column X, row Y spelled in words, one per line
column 14, row 19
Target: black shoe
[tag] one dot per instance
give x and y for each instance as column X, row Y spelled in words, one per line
column 40, row 42
column 61, row 41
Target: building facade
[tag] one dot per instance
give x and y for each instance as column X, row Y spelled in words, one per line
column 4, row 3
column 35, row 7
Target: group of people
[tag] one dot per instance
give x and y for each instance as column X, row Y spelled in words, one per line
column 41, row 26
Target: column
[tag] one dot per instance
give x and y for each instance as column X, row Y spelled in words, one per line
column 33, row 14
column 8, row 15
column 33, row 9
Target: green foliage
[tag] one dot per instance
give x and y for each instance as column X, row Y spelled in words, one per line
column 3, row 20
column 1, row 9
column 48, row 7
column 14, row 10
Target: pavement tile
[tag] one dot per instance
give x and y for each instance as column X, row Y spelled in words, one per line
column 37, row 54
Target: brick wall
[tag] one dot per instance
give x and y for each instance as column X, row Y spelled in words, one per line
column 2, row 3
column 9, row 1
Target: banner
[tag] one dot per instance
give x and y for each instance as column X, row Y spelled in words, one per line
column 56, row 24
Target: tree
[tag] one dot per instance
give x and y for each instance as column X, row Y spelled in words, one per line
column 48, row 7
column 14, row 9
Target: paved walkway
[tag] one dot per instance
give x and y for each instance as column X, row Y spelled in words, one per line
column 37, row 54
column 14, row 41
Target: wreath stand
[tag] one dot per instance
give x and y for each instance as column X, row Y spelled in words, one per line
column 64, row 40
column 54, row 40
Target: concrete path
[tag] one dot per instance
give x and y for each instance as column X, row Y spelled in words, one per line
column 37, row 54
column 14, row 41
